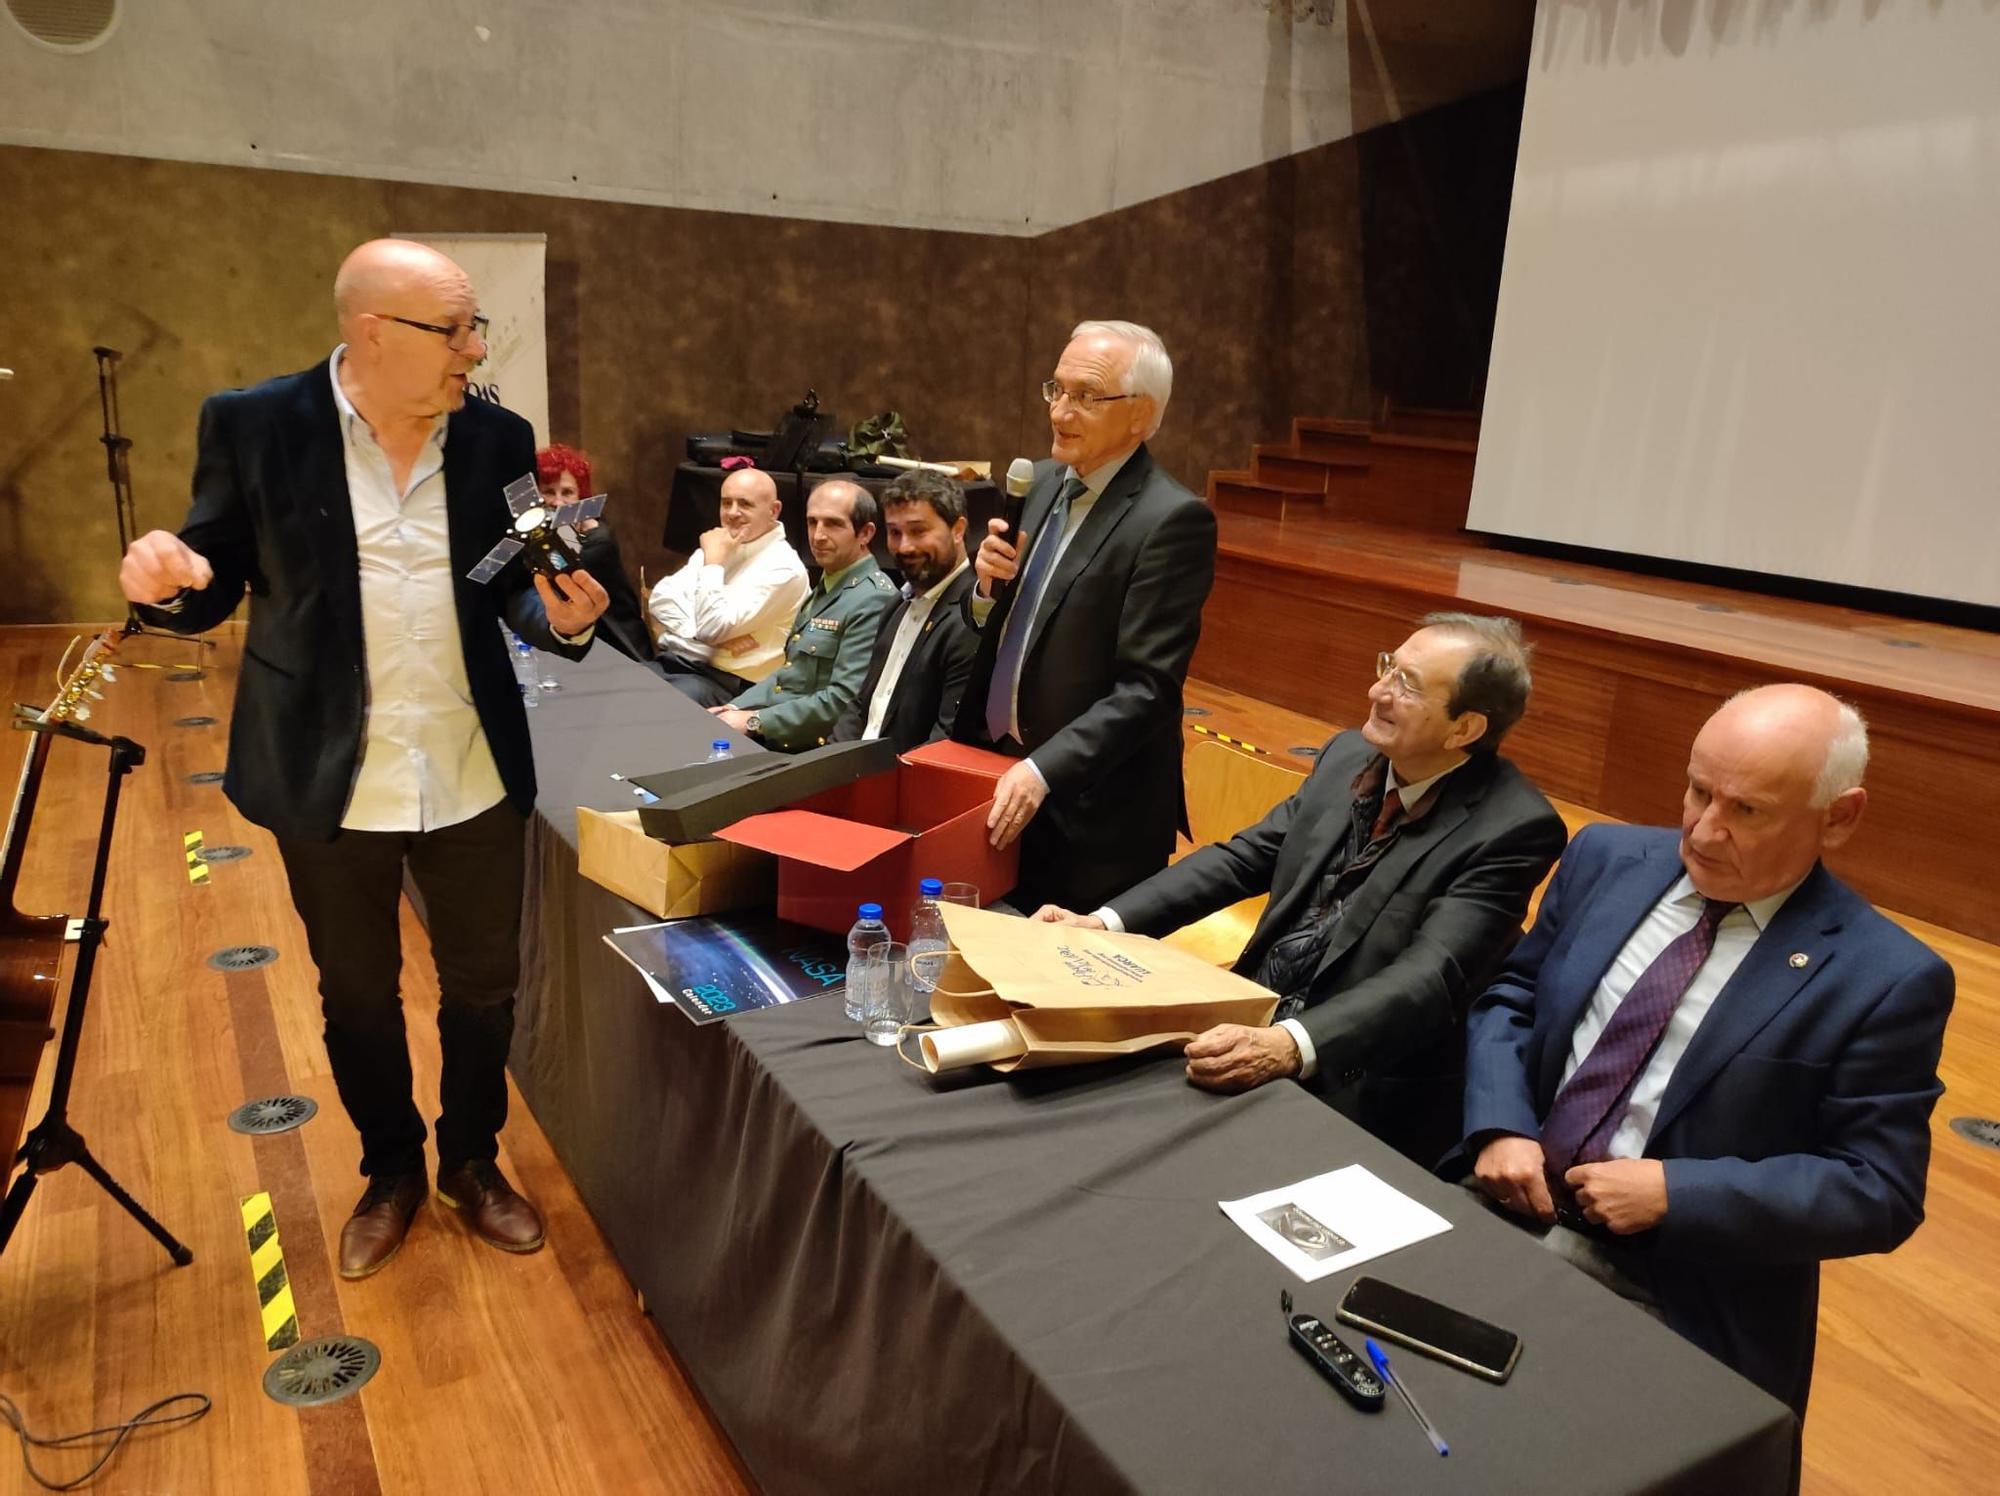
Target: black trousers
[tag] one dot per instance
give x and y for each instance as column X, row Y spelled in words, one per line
column 348, row 892
column 700, row 682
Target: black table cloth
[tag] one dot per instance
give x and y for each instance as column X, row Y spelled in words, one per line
column 886, row 1282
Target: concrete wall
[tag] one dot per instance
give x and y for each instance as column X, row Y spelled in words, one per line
column 666, row 319
column 1000, row 116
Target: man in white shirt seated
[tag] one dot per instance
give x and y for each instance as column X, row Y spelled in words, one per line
column 720, row 621
column 923, row 655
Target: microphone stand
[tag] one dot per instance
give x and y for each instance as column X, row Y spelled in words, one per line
column 119, row 471
column 54, row 1143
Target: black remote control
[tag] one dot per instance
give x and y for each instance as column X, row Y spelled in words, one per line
column 1339, row 1365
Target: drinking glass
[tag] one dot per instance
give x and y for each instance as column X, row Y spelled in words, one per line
column 889, row 1001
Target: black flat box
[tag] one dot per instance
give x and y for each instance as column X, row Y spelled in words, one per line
column 699, row 800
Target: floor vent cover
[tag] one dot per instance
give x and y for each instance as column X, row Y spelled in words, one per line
column 321, row 1371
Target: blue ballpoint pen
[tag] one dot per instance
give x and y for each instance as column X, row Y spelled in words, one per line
column 1375, row 1354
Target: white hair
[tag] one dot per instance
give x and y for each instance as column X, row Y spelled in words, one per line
column 1846, row 758
column 1151, row 373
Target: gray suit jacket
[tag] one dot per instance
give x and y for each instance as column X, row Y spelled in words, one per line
column 1418, row 941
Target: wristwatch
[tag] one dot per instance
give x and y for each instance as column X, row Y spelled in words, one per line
column 752, row 723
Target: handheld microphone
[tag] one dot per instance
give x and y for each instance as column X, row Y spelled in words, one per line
column 1020, row 478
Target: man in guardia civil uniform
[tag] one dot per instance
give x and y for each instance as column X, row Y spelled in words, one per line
column 833, row 635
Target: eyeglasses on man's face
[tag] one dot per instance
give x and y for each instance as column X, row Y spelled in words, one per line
column 457, row 336
column 1078, row 399
column 1400, row 680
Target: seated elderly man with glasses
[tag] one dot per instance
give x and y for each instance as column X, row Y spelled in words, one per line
column 1399, row 875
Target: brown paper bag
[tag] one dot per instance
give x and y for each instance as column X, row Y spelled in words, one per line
column 1061, row 995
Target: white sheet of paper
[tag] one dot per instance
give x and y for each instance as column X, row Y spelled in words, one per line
column 1333, row 1221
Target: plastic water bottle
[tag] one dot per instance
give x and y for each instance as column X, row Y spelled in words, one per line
column 719, row 753
column 928, row 940
column 526, row 675
column 866, row 932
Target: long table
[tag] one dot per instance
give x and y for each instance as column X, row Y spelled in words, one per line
column 883, row 1281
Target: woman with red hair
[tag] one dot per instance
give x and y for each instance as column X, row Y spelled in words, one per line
column 563, row 476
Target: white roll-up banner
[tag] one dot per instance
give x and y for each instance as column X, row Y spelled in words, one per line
column 507, row 274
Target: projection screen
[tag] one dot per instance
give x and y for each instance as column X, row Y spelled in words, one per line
column 1750, row 310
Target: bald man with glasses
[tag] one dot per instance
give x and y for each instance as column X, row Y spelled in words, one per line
column 1399, row 875
column 377, row 721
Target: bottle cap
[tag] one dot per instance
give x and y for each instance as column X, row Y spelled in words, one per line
column 720, row 745
column 871, row 911
column 931, row 888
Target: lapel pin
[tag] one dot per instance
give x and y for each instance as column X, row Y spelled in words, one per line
column 1799, row 959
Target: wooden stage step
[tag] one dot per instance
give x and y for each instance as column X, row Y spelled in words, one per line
column 1627, row 668
column 1353, row 471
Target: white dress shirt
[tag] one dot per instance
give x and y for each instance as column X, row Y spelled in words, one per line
column 424, row 759
column 1094, row 484
column 908, row 630
column 1672, row 917
column 734, row 616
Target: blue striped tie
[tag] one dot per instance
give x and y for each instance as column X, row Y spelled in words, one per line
column 1028, row 590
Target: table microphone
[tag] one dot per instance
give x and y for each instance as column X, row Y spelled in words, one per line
column 1020, row 478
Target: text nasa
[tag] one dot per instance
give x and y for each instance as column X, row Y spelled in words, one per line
column 711, row 998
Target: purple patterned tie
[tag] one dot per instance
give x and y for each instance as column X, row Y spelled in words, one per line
column 1589, row 1107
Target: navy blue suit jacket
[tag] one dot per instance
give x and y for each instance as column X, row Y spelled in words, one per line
column 272, row 515
column 1796, row 1125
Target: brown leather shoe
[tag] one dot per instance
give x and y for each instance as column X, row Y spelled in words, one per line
column 380, row 1221
column 496, row 1212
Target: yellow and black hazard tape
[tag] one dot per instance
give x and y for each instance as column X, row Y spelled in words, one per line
column 267, row 1267
column 1220, row 737
column 197, row 869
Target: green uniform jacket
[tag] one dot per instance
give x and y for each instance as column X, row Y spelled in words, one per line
column 826, row 659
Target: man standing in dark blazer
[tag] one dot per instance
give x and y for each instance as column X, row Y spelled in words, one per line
column 377, row 720
column 923, row 654
column 1711, row 1063
column 1086, row 630
column 1399, row 875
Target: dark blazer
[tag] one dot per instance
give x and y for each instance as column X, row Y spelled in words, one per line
column 271, row 514
column 1794, row 1128
column 1100, row 699
column 925, row 702
column 1418, row 941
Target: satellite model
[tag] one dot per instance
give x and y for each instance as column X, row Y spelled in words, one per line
column 544, row 537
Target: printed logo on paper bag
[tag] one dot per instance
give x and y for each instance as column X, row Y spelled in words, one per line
column 1102, row 968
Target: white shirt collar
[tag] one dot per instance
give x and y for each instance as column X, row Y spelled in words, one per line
column 1412, row 793
column 1762, row 911
column 349, row 415
column 1099, row 480
column 761, row 544
column 931, row 594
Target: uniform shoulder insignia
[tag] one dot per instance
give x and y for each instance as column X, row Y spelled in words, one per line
column 882, row 583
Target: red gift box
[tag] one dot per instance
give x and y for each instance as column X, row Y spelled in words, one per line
column 870, row 841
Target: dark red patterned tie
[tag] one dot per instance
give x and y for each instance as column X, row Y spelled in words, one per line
column 1391, row 812
column 1589, row 1107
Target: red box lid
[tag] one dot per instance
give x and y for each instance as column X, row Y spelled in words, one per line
column 823, row 840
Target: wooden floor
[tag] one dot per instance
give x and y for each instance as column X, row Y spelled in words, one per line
column 540, row 1374
column 499, row 1373
column 1909, row 1342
